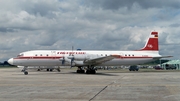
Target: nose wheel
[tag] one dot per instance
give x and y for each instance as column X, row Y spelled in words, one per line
column 25, row 73
column 25, row 70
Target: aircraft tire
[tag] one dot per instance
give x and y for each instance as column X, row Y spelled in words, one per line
column 25, row 73
column 80, row 71
column 91, row 72
column 87, row 71
column 50, row 70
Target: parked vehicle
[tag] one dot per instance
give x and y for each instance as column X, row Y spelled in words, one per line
column 158, row 68
column 169, row 67
column 133, row 68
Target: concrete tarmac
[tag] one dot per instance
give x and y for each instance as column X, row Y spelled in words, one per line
column 106, row 85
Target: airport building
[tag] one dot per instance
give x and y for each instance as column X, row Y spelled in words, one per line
column 175, row 63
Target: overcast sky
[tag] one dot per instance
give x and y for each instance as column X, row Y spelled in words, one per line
column 88, row 24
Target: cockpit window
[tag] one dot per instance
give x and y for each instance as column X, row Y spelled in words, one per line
column 20, row 55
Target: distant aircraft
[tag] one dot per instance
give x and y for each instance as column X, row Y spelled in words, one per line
column 89, row 59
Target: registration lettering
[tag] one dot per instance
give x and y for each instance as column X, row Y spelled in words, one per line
column 71, row 52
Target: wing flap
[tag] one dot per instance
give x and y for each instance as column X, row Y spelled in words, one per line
column 100, row 60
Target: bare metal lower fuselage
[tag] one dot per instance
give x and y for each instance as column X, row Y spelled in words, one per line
column 56, row 62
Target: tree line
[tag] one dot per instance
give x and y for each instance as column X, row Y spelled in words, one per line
column 5, row 63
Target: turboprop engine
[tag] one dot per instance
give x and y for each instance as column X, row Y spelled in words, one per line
column 74, row 59
column 65, row 60
column 78, row 57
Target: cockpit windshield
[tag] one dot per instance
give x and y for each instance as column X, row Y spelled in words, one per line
column 21, row 54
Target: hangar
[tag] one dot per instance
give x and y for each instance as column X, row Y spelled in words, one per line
column 175, row 63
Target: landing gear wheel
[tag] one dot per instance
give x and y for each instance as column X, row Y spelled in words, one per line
column 87, row 71
column 58, row 69
column 50, row 70
column 25, row 73
column 80, row 71
column 93, row 71
column 90, row 71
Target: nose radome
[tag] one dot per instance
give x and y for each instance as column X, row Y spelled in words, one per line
column 10, row 61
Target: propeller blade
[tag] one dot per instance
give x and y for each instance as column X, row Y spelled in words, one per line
column 63, row 61
column 72, row 60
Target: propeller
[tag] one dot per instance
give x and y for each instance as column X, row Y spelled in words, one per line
column 63, row 61
column 72, row 60
column 69, row 59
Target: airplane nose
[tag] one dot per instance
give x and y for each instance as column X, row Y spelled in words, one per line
column 10, row 61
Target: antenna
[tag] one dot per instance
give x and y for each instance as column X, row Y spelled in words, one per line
column 72, row 48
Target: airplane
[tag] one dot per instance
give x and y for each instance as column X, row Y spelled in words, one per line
column 89, row 58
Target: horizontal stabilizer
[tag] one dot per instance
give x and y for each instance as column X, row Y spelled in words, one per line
column 162, row 57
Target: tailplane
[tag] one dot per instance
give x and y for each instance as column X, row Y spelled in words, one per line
column 152, row 43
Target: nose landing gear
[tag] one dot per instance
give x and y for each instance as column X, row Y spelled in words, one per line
column 25, row 70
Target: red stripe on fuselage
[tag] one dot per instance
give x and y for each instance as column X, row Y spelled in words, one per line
column 39, row 57
column 58, row 57
column 135, row 57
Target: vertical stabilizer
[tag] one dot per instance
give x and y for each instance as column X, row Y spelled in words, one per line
column 152, row 44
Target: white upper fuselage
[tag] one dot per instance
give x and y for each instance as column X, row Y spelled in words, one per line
column 54, row 57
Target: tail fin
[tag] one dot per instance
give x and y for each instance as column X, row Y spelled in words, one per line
column 152, row 43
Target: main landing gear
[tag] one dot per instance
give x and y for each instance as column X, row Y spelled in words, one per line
column 90, row 70
column 80, row 70
column 58, row 69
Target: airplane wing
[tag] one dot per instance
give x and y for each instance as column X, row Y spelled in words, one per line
column 100, row 60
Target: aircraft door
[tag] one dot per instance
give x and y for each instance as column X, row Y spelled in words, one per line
column 53, row 54
column 121, row 55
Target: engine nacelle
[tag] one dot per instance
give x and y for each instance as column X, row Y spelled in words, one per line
column 66, row 61
column 79, row 63
column 61, row 59
column 79, row 57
